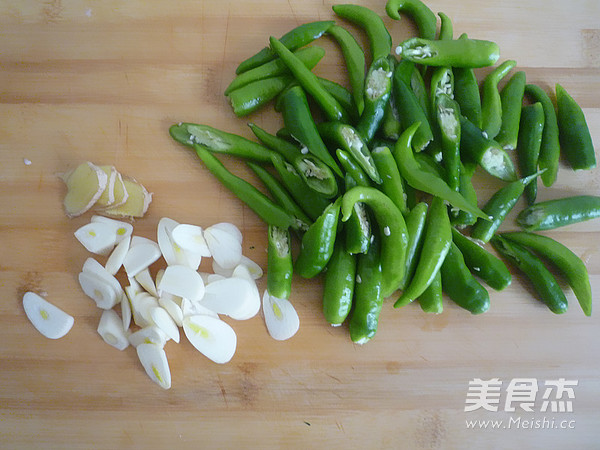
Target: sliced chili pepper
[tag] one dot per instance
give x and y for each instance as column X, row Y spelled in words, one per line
column 346, row 137
column 540, row 277
column 342, row 95
column 293, row 40
column 318, row 242
column 391, row 181
column 293, row 105
column 462, row 218
column 311, row 202
column 219, row 141
column 557, row 213
column 368, row 296
column 317, row 175
column 417, row 86
column 355, row 63
column 568, row 263
column 378, row 88
column 258, row 202
column 446, row 27
column 498, row 207
column 379, row 38
column 392, row 231
column 550, row 147
column 466, row 52
column 448, row 119
column 415, row 226
column 442, row 82
column 255, row 95
column 357, row 229
column 310, row 56
column 338, row 287
column 418, row 11
column 466, row 92
column 511, row 98
column 475, row 147
column 575, row 139
column 352, row 168
column 424, row 181
column 436, row 243
column 482, row 263
column 431, row 301
column 491, row 106
column 279, row 262
column 460, row 285
column 528, row 146
column 282, row 197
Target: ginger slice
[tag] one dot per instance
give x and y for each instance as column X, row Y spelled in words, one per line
column 138, row 201
column 108, row 196
column 85, row 185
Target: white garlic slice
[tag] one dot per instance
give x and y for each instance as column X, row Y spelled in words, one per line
column 281, row 318
column 191, row 238
column 120, row 228
column 49, row 320
column 221, row 271
column 230, row 228
column 253, row 267
column 165, row 243
column 154, row 360
column 225, row 248
column 189, row 308
column 168, row 302
column 111, row 329
column 242, row 271
column 98, row 290
column 117, row 256
column 125, row 312
column 93, row 267
column 182, row 282
column 148, row 335
column 231, row 296
column 145, row 279
column 97, row 238
column 162, row 319
column 212, row 337
column 140, row 256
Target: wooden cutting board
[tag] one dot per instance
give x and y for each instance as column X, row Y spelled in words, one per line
column 103, row 81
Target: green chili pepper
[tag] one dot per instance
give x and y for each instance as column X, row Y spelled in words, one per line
column 391, row 181
column 268, row 211
column 368, row 296
column 466, row 92
column 568, row 263
column 293, row 40
column 279, row 263
column 429, row 164
column 482, row 263
column 498, row 207
column 491, row 106
column 442, row 82
column 378, row 87
column 309, row 81
column 379, row 38
column 557, row 213
column 357, row 229
column 540, row 277
column 253, row 96
column 446, row 28
column 338, row 287
column 460, row 285
column 416, row 177
column 448, row 119
column 282, row 197
column 391, row 127
column 315, row 173
column 575, row 139
column 392, row 231
column 415, row 226
column 311, row 202
column 419, row 13
column 417, row 86
column 462, row 218
column 436, row 243
column 298, row 120
column 352, row 168
column 467, row 52
column 511, row 98
column 431, row 300
column 346, row 137
column 528, row 146
column 550, row 147
column 318, row 242
column 409, row 109
column 479, row 149
column 342, row 95
column 355, row 63
column 309, row 56
column 219, row 141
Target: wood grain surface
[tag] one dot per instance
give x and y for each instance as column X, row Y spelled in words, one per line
column 103, row 81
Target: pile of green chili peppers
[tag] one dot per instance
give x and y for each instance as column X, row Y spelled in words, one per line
column 375, row 180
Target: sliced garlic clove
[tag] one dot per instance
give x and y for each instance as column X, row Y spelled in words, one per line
column 281, row 318
column 49, row 320
column 231, row 296
column 144, row 304
column 212, row 277
column 125, row 312
column 97, row 238
column 218, row 270
column 116, row 258
column 182, row 282
column 231, row 229
column 242, row 271
column 212, row 337
column 162, row 319
column 137, row 240
column 140, row 256
column 146, row 281
column 148, row 335
column 254, row 269
column 225, row 248
column 98, row 290
column 159, row 275
column 111, row 329
column 168, row 302
column 191, row 239
column 189, row 308
column 163, row 234
column 154, row 360
column 85, row 185
column 93, row 267
column 121, row 229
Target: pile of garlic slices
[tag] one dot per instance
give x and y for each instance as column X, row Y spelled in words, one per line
column 179, row 296
column 105, row 189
